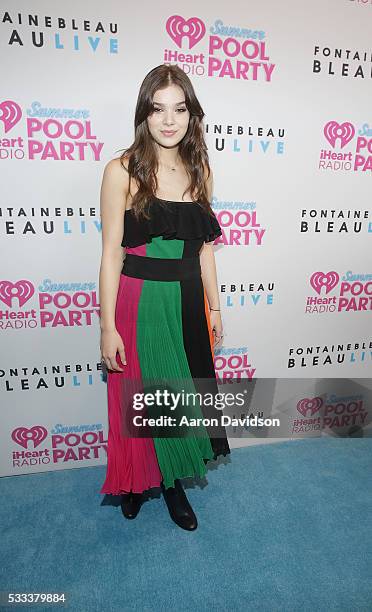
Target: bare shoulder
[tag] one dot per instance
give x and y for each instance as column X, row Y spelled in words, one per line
column 207, row 173
column 208, row 177
column 114, row 190
column 117, row 170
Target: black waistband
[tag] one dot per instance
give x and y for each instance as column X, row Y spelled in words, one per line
column 164, row 269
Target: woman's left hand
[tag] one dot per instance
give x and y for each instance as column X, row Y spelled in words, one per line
column 216, row 324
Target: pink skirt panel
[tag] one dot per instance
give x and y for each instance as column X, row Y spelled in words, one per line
column 131, row 462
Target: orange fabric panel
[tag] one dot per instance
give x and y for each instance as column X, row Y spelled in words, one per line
column 207, row 314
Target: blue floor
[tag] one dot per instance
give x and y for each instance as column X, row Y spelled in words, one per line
column 282, row 527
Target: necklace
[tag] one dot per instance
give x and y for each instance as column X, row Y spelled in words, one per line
column 173, row 167
column 170, row 167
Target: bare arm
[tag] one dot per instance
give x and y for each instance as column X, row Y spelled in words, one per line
column 114, row 192
column 208, row 262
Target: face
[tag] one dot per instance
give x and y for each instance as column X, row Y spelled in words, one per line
column 169, row 121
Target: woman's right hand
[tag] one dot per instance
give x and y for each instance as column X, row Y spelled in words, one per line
column 112, row 343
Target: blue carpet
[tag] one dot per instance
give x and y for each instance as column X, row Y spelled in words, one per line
column 282, row 527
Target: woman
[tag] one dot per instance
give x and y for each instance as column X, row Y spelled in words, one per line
column 160, row 311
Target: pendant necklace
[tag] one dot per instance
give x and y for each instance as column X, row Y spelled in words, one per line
column 170, row 167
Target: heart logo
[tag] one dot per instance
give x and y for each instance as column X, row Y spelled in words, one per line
column 36, row 434
column 343, row 131
column 319, row 280
column 307, row 405
column 22, row 289
column 10, row 114
column 178, row 28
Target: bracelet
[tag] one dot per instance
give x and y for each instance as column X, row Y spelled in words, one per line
column 215, row 309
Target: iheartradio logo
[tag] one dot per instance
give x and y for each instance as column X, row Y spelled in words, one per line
column 35, row 434
column 10, row 114
column 192, row 29
column 319, row 280
column 308, row 407
column 22, row 290
column 338, row 157
column 342, row 132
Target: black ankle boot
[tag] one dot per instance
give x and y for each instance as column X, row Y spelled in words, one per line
column 131, row 504
column 179, row 507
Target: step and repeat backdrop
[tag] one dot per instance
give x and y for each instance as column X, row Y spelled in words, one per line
column 286, row 91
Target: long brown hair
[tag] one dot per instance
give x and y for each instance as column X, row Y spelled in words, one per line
column 142, row 156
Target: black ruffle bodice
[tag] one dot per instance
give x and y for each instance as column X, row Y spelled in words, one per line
column 185, row 221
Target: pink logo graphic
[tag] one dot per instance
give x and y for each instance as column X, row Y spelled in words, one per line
column 178, row 27
column 319, row 280
column 23, row 290
column 309, row 405
column 10, row 114
column 343, row 131
column 36, row 434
